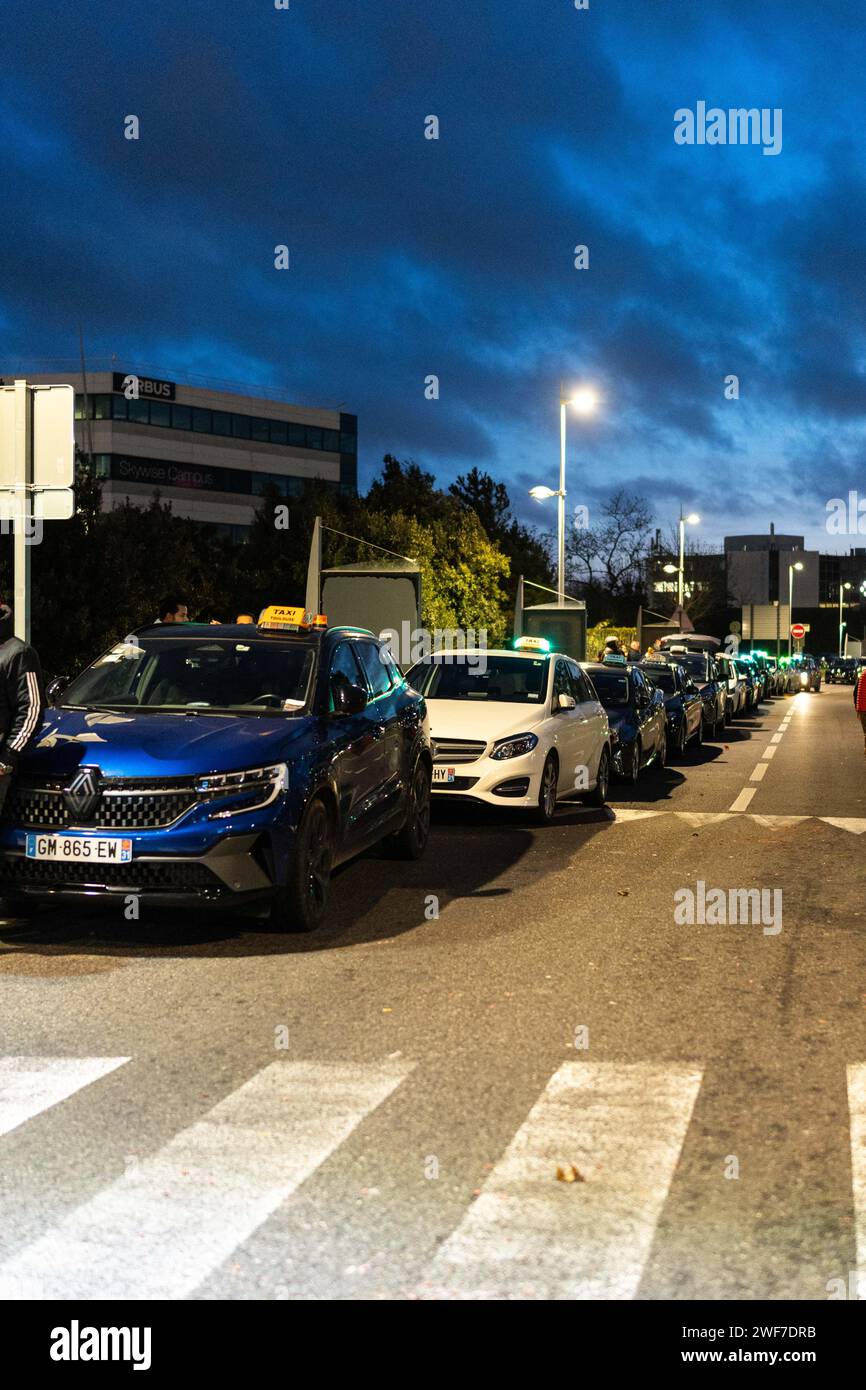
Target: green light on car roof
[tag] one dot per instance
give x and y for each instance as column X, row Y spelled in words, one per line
column 531, row 644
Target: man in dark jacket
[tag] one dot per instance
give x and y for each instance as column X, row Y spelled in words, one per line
column 22, row 698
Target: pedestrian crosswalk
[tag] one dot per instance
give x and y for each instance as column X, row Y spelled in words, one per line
column 568, row 1210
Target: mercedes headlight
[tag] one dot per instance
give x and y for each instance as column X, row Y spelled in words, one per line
column 255, row 787
column 514, row 747
column 804, row 677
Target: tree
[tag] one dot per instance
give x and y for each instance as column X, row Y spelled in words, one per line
column 528, row 553
column 607, row 562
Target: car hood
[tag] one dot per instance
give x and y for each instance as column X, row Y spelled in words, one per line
column 159, row 745
column 487, row 721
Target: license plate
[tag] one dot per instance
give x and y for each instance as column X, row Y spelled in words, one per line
column 79, row 849
column 443, row 774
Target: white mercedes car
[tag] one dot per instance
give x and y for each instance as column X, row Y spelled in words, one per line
column 514, row 728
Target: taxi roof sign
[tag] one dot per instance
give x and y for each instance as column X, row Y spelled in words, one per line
column 277, row 618
column 531, row 644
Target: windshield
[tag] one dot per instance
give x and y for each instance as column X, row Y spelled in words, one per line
column 509, row 680
column 254, row 676
column 694, row 663
column 612, row 689
column 664, row 680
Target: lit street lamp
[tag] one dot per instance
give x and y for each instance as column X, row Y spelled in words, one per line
column 680, row 570
column 797, row 566
column 584, row 402
column 842, row 625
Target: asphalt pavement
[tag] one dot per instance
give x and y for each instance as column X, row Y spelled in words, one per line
column 515, row 1069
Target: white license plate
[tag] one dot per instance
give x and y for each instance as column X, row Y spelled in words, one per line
column 443, row 774
column 79, row 849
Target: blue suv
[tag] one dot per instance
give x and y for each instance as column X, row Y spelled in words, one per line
column 224, row 764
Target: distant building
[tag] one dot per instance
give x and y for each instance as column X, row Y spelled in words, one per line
column 211, row 453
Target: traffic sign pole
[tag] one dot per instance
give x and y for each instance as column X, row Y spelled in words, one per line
column 23, row 471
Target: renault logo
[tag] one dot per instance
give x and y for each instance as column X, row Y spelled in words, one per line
column 82, row 795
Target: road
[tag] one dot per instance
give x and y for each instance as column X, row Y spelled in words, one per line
column 200, row 1108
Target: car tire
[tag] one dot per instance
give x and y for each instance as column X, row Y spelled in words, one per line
column 411, row 841
column 680, row 750
column 633, row 772
column 699, row 735
column 598, row 795
column 546, row 808
column 661, row 753
column 300, row 906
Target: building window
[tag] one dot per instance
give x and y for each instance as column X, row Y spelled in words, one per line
column 348, row 443
column 241, row 426
column 222, row 422
column 160, row 414
column 260, row 430
column 119, row 407
column 181, row 417
column 201, row 421
column 101, row 408
column 279, row 432
column 314, row 437
column 331, row 441
column 138, row 412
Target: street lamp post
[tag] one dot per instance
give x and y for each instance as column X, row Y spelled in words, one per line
column 842, row 588
column 680, row 570
column 797, row 566
column 584, row 401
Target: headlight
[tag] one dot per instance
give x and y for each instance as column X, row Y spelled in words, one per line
column 804, row 677
column 514, row 747
column 259, row 786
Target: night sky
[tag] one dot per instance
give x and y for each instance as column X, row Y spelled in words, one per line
column 412, row 257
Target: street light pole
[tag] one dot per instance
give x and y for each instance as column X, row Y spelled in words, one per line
column 797, row 566
column 682, row 570
column 584, row 401
column 842, row 588
column 560, row 576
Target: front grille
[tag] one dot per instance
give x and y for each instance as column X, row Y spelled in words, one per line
column 42, row 807
column 457, row 750
column 172, row 876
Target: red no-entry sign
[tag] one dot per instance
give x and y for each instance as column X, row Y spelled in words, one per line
column 798, row 631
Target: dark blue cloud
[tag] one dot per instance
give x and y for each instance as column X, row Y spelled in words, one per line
column 454, row 257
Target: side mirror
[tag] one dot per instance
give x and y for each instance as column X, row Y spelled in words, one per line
column 349, row 699
column 55, row 688
column 565, row 702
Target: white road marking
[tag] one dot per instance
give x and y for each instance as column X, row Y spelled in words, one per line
column 29, row 1085
column 702, row 817
column 779, row 822
column 768, row 753
column 855, row 824
column 160, row 1230
column 626, row 814
column 857, row 1115
column 743, row 799
column 622, row 1126
column 758, row 773
column 777, row 738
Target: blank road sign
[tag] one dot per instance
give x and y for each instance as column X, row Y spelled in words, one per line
column 53, row 436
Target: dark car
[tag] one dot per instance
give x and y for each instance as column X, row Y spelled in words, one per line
column 683, row 704
column 230, row 765
column 711, row 682
column 808, row 672
column 842, row 670
column 635, row 712
column 754, row 683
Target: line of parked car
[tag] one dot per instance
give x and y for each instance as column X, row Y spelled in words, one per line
column 529, row 726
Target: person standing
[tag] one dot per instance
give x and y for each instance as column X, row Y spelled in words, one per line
column 22, row 698
column 860, row 703
column 174, row 608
